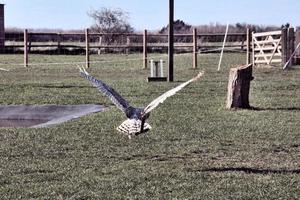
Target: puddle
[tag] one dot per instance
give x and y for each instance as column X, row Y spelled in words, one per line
column 38, row 116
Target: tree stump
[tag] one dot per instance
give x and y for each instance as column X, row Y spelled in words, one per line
column 239, row 87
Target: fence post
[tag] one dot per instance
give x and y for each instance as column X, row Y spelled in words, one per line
column 25, row 48
column 58, row 43
column 249, row 39
column 128, row 44
column 145, row 38
column 291, row 45
column 253, row 48
column 100, row 44
column 284, row 45
column 195, row 48
column 242, row 45
column 87, row 47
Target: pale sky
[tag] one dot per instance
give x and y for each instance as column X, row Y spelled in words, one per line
column 151, row 15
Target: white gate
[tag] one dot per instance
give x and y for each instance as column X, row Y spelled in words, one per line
column 267, row 47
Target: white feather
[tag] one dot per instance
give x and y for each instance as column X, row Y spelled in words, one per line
column 169, row 93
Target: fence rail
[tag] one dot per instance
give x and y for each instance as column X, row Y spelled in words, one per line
column 131, row 41
column 36, row 42
column 97, row 43
column 267, row 47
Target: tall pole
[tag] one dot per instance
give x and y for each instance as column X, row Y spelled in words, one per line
column 26, row 48
column 249, row 39
column 222, row 51
column 2, row 28
column 171, row 41
column 145, row 60
column 87, row 48
column 195, row 54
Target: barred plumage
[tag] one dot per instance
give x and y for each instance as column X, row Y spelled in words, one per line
column 135, row 124
column 131, row 127
column 117, row 99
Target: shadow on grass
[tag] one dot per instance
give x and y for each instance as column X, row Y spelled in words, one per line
column 252, row 170
column 276, row 109
column 62, row 86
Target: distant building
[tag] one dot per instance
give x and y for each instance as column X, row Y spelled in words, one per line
column 2, row 29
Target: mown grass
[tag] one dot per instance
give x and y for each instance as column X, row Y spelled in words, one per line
column 196, row 150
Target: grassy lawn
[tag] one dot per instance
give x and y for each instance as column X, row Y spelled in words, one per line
column 196, row 150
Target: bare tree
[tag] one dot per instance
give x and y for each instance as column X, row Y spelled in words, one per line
column 108, row 20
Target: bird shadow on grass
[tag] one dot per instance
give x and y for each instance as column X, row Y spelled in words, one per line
column 249, row 170
column 63, row 86
column 275, row 109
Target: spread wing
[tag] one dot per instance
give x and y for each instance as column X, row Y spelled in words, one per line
column 115, row 97
column 169, row 93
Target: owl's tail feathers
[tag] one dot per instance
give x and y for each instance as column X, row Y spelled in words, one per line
column 132, row 127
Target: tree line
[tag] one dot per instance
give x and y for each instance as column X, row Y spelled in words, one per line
column 108, row 20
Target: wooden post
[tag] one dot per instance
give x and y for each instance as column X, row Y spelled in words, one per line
column 2, row 29
column 195, row 48
column 291, row 45
column 171, row 41
column 87, row 47
column 59, row 43
column 29, row 44
column 25, row 48
column 100, row 44
column 239, row 87
column 128, row 45
column 253, row 48
column 284, row 46
column 242, row 45
column 145, row 38
column 249, row 39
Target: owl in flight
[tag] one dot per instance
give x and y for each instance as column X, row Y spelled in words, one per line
column 136, row 117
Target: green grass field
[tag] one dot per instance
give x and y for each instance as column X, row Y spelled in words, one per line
column 196, row 150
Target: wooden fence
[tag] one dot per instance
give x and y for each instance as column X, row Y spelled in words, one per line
column 262, row 48
column 273, row 47
column 90, row 43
